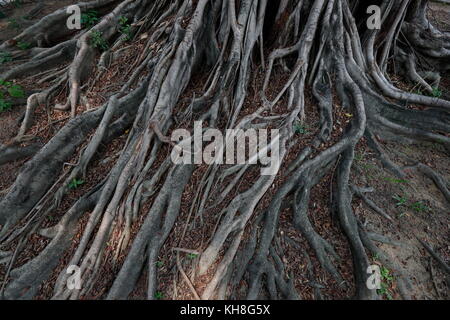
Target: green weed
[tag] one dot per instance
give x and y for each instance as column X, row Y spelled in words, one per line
column 4, row 105
column 5, row 57
column 13, row 24
column 23, row 45
column 419, row 207
column 394, row 180
column 384, row 291
column 436, row 93
column 9, row 90
column 401, row 201
column 386, row 280
column 97, row 40
column 300, row 129
column 75, row 183
column 89, row 19
column 359, row 157
column 17, row 3
column 16, row 91
column 125, row 28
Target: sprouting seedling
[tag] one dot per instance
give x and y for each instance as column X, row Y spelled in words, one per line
column 387, row 278
column 17, row 3
column 13, row 24
column 300, row 129
column 97, row 40
column 4, row 105
column 123, row 21
column 125, row 28
column 5, row 57
column 394, row 180
column 5, row 83
column 159, row 295
column 23, row 45
column 437, row 93
column 89, row 19
column 159, row 264
column 386, row 274
column 400, row 200
column 192, row 255
column 384, row 291
column 16, row 91
column 75, row 183
column 359, row 156
column 7, row 88
column 419, row 206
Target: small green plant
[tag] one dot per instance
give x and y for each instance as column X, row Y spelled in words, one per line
column 386, row 280
column 401, row 201
column 386, row 274
column 123, row 21
column 436, row 93
column 75, row 183
column 125, row 28
column 17, row 3
column 16, row 91
column 159, row 264
column 97, row 40
column 7, row 88
column 192, row 255
column 23, row 45
column 5, row 84
column 5, row 57
column 359, row 157
column 367, row 166
column 300, row 129
column 394, row 180
column 13, row 24
column 159, row 295
column 419, row 207
column 384, row 291
column 89, row 19
column 4, row 105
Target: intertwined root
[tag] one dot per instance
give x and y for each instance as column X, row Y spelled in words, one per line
column 323, row 45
